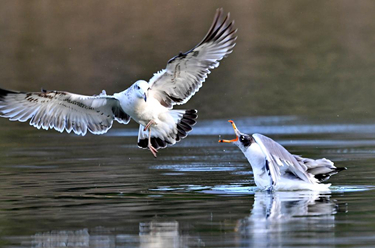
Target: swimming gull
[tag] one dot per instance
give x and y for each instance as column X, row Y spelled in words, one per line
column 274, row 168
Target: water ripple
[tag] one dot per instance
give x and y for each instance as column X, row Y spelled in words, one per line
column 265, row 125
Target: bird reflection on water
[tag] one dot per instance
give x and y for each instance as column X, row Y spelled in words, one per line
column 295, row 213
column 276, row 218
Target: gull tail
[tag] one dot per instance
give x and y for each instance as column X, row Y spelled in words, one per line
column 185, row 124
column 168, row 133
column 321, row 169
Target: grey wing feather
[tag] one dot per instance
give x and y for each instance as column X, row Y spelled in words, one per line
column 280, row 160
column 186, row 72
column 62, row 110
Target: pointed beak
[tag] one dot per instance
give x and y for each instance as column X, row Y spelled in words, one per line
column 145, row 96
column 236, row 131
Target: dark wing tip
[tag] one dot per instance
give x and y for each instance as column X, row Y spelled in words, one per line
column 4, row 93
column 143, row 143
column 324, row 177
column 221, row 31
column 157, row 143
column 220, row 28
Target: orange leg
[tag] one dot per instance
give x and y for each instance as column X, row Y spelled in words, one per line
column 152, row 149
column 152, row 122
column 148, row 126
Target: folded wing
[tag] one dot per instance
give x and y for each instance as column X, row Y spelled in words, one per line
column 186, row 72
column 280, row 160
column 62, row 110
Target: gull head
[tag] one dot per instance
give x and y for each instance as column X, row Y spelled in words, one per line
column 141, row 88
column 242, row 140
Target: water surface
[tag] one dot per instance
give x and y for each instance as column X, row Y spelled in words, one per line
column 102, row 191
column 302, row 72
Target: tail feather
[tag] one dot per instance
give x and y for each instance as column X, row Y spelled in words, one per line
column 325, row 176
column 158, row 143
column 321, row 169
column 184, row 127
column 180, row 133
column 188, row 121
column 155, row 141
column 184, row 122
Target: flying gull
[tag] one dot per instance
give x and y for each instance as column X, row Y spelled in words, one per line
column 148, row 103
column 274, row 168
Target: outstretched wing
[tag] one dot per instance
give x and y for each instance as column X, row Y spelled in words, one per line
column 62, row 110
column 280, row 160
column 186, row 72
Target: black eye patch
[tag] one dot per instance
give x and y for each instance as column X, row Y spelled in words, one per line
column 245, row 140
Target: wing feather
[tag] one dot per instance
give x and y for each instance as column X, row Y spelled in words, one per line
column 186, row 72
column 280, row 160
column 63, row 110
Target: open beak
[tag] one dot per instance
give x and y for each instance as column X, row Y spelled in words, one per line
column 236, row 131
column 145, row 96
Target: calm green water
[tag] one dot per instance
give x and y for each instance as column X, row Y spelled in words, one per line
column 302, row 73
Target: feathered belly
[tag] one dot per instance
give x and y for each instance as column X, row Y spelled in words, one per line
column 258, row 161
column 143, row 112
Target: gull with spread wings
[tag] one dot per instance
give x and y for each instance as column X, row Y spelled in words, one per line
column 148, row 103
column 274, row 168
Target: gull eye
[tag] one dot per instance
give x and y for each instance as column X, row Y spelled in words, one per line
column 138, row 88
column 245, row 140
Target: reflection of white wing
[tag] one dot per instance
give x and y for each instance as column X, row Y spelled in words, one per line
column 278, row 218
column 62, row 110
column 280, row 160
column 156, row 234
column 285, row 206
column 186, row 72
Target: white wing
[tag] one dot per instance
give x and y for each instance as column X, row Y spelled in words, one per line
column 62, row 110
column 186, row 72
column 280, row 160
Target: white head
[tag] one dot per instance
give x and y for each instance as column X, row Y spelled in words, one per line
column 242, row 140
column 141, row 88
